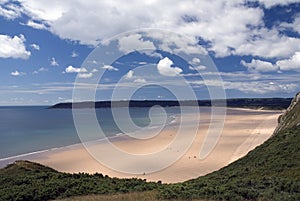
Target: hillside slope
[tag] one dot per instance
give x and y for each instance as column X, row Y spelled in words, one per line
column 24, row 180
column 269, row 172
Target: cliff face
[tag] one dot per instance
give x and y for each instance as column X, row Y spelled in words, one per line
column 291, row 117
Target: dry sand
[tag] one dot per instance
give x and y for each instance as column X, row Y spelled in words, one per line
column 244, row 130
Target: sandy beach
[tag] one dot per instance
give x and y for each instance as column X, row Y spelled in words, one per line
column 244, row 129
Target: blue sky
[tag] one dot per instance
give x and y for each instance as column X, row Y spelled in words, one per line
column 45, row 45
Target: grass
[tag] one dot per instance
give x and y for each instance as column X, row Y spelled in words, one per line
column 136, row 196
column 269, row 172
column 24, row 180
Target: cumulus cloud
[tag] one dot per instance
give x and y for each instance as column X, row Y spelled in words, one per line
column 17, row 73
column 229, row 27
column 110, row 68
column 71, row 69
column 292, row 63
column 295, row 25
column 85, row 75
column 53, row 62
column 65, row 20
column 259, row 65
column 196, row 61
column 175, row 43
column 134, row 42
column 136, row 79
column 268, row 44
column 13, row 47
column 74, row 54
column 9, row 11
column 42, row 69
column 129, row 75
column 164, row 67
column 271, row 3
column 35, row 46
column 82, row 72
column 140, row 80
column 35, row 25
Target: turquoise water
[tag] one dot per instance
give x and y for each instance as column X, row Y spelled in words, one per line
column 30, row 129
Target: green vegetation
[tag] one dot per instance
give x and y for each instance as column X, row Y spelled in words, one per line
column 269, row 172
column 25, row 180
column 255, row 103
column 136, row 196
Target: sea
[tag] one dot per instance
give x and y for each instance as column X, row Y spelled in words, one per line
column 31, row 129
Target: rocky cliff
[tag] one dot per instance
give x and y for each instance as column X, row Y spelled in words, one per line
column 291, row 117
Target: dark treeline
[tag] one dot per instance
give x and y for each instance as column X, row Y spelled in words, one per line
column 264, row 103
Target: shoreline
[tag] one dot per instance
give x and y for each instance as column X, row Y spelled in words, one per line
column 118, row 135
column 241, row 134
column 28, row 156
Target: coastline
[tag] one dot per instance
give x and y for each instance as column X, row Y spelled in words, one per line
column 244, row 130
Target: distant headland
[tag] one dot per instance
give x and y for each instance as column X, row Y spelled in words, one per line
column 254, row 103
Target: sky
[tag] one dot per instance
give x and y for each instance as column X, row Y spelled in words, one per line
column 55, row 51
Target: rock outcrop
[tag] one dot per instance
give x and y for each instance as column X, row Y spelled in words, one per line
column 291, row 117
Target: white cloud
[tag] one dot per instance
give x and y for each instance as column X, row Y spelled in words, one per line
column 142, row 63
column 200, row 67
column 53, row 62
column 71, row 69
column 42, row 69
column 110, row 68
column 140, row 80
column 35, row 25
column 136, row 79
column 259, row 65
column 85, row 75
column 268, row 44
column 74, row 54
column 93, row 62
column 17, row 73
column 45, row 10
column 261, row 87
column 295, row 25
column 256, row 87
column 134, row 42
column 129, row 75
column 9, row 11
column 35, row 46
column 196, row 61
column 271, row 3
column 164, row 67
column 13, row 47
column 175, row 43
column 230, row 27
column 292, row 63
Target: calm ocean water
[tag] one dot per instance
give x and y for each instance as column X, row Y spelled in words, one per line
column 30, row 129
